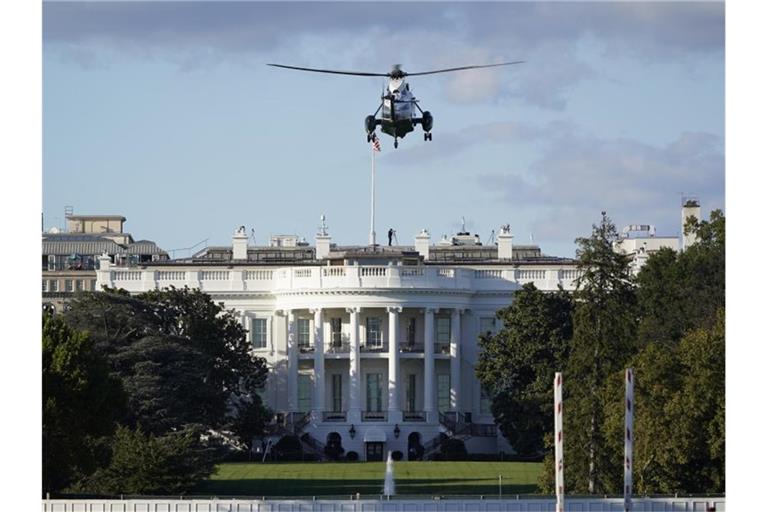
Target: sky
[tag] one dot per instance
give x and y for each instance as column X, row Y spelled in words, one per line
column 167, row 114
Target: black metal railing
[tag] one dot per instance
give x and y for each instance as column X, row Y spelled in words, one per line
column 412, row 347
column 483, row 430
column 414, row 416
column 340, row 416
column 339, row 348
column 313, row 444
column 375, row 415
column 374, row 348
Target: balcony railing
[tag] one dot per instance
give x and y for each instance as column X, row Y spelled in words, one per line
column 483, row 430
column 339, row 348
column 414, row 416
column 375, row 415
column 305, row 349
column 343, row 277
column 412, row 347
column 374, row 348
column 337, row 417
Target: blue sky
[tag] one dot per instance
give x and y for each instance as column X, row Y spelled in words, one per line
column 166, row 113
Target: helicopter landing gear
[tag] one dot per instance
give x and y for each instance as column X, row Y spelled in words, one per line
column 368, row 137
column 427, row 136
column 395, row 143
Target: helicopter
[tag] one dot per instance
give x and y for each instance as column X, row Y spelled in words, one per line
column 398, row 105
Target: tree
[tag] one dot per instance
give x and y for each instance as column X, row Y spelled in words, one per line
column 144, row 463
column 81, row 404
column 604, row 328
column 699, row 410
column 678, row 292
column 182, row 358
column 517, row 365
column 679, row 415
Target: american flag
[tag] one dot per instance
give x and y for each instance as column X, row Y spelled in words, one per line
column 375, row 143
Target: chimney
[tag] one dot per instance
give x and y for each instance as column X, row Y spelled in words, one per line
column 504, row 242
column 322, row 240
column 691, row 208
column 422, row 243
column 240, row 244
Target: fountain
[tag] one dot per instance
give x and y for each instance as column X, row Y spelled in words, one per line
column 389, row 477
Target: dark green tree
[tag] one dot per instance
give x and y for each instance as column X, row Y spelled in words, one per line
column 698, row 442
column 144, row 463
column 81, row 404
column 679, row 415
column 678, row 292
column 517, row 365
column 182, row 358
column 604, row 330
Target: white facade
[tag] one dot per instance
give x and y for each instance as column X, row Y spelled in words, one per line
column 377, row 345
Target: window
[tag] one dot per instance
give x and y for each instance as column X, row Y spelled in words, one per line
column 411, row 332
column 443, row 392
column 302, row 332
column 487, row 325
column 93, row 285
column 259, row 332
column 45, row 287
column 305, row 393
column 67, row 285
column 443, row 330
column 373, row 331
column 336, row 392
column 53, row 285
column 373, row 392
column 79, row 285
column 410, row 393
column 485, row 401
column 336, row 333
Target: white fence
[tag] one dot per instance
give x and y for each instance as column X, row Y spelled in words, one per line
column 394, row 505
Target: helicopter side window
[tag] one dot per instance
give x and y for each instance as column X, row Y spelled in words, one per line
column 386, row 111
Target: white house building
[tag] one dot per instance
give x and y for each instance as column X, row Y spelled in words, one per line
column 370, row 347
column 640, row 241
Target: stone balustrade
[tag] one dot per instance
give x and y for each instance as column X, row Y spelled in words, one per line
column 339, row 278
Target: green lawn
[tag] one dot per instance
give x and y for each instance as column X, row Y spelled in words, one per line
column 317, row 478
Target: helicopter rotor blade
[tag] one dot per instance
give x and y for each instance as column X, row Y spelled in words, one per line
column 465, row 67
column 331, row 71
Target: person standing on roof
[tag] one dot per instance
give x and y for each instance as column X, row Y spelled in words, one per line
column 390, row 233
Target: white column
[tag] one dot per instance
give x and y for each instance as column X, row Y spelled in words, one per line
column 319, row 365
column 455, row 358
column 429, row 364
column 394, row 364
column 353, row 414
column 293, row 362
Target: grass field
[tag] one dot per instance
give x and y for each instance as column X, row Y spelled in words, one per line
column 317, row 478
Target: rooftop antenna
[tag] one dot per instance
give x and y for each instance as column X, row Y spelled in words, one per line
column 491, row 238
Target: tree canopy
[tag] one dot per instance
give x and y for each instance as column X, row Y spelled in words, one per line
column 516, row 365
column 667, row 323
column 182, row 358
column 81, row 403
column 180, row 369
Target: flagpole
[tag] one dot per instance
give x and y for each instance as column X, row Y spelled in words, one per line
column 372, row 234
